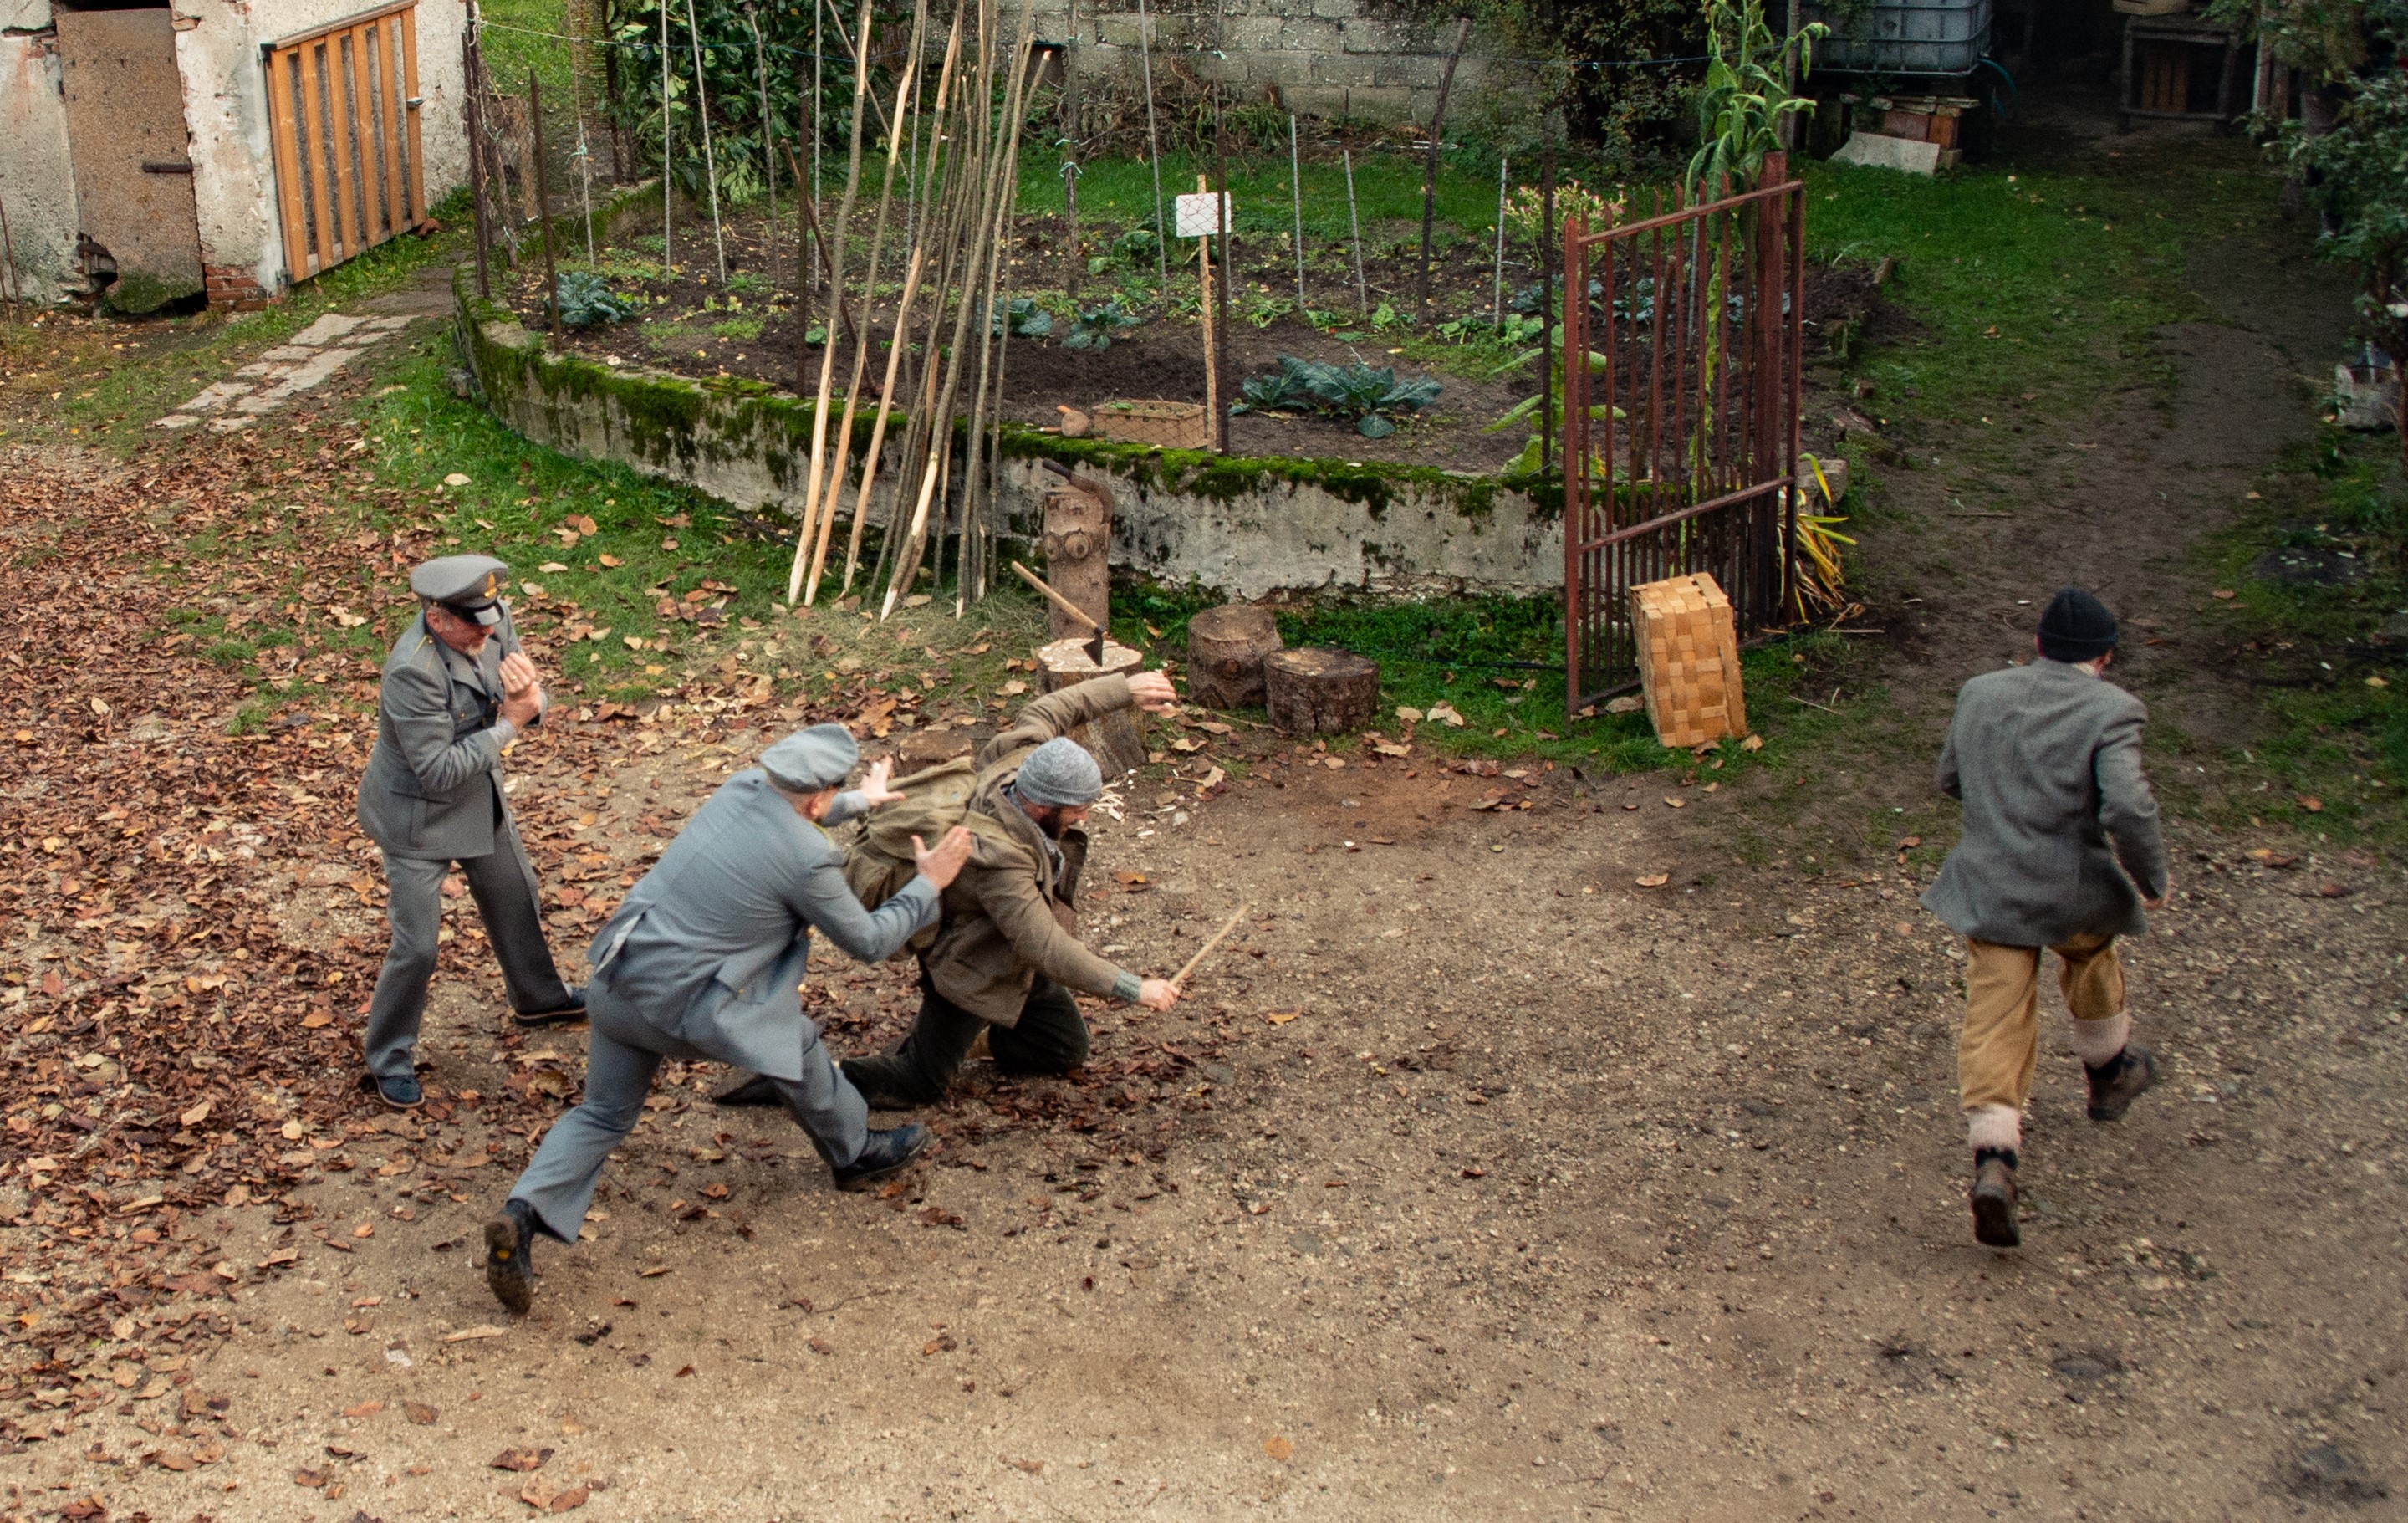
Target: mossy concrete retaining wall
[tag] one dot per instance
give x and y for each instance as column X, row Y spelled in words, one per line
column 1243, row 526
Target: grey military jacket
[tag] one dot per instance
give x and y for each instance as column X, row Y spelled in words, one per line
column 433, row 788
column 708, row 949
column 2047, row 760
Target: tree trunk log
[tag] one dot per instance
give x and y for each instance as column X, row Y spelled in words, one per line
column 1320, row 692
column 1114, row 739
column 1226, row 647
column 1078, row 554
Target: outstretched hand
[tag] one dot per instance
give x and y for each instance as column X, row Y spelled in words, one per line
column 1153, row 692
column 874, row 790
column 942, row 864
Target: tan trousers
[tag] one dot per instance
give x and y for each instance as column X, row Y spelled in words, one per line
column 2001, row 1043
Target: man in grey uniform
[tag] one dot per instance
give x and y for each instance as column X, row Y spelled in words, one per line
column 456, row 690
column 2046, row 757
column 705, row 959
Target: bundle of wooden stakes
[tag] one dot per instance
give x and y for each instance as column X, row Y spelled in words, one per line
column 962, row 146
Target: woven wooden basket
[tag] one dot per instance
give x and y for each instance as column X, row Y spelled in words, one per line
column 1688, row 660
column 1170, row 425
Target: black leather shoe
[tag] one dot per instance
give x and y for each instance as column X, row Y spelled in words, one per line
column 558, row 1014
column 1994, row 1204
column 401, row 1092
column 2116, row 1086
column 744, row 1088
column 888, row 1153
column 510, row 1257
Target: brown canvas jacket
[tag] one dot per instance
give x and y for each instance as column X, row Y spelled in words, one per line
column 1008, row 916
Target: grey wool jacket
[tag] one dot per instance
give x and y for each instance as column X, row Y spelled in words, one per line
column 433, row 788
column 2060, row 830
column 708, row 949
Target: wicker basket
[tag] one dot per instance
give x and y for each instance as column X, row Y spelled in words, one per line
column 1169, row 425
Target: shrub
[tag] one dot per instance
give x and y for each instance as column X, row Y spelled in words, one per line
column 587, row 301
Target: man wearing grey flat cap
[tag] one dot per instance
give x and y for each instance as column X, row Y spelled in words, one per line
column 1008, row 956
column 457, row 689
column 704, row 960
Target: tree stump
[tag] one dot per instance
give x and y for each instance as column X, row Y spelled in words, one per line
column 1316, row 691
column 1114, row 739
column 1226, row 647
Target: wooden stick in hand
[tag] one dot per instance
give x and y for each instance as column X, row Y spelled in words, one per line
column 1059, row 601
column 1226, row 927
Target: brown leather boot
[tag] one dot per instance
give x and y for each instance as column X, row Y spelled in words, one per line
column 2115, row 1085
column 1994, row 1200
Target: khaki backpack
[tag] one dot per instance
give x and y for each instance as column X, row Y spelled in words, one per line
column 878, row 859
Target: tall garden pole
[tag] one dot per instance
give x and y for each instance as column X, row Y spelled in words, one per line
column 1429, row 168
column 768, row 155
column 1547, row 291
column 1496, row 302
column 474, row 112
column 1295, row 200
column 1070, row 157
column 819, row 48
column 709, row 165
column 1355, row 223
column 667, row 178
column 543, row 200
column 1153, row 147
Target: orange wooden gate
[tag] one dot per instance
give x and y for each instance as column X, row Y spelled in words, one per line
column 342, row 111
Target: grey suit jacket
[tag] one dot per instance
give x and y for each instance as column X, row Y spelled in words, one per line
column 2047, row 760
column 433, row 788
column 709, row 948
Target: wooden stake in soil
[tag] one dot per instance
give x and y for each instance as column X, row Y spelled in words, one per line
column 543, row 201
column 1355, row 221
column 1152, row 147
column 1430, row 168
column 1547, row 294
column 1220, row 306
column 1496, row 302
column 1295, row 200
column 16, row 290
column 1206, row 950
column 769, row 158
column 1204, row 313
column 669, row 167
column 710, row 163
column 473, row 109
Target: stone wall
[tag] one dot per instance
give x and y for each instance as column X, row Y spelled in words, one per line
column 1330, row 58
column 1244, row 527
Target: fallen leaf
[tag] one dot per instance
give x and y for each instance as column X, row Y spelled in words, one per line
column 683, row 1371
column 455, row 478
column 1472, row 1173
column 1655, row 880
column 1033, row 1467
column 1754, row 742
column 2225, row 592
column 1444, row 714
column 197, row 1114
column 2312, row 804
column 1677, row 803
column 1629, row 704
column 2335, row 891
column 484, row 1330
column 1280, row 1017
column 519, row 1459
column 419, row 1412
column 312, row 1022
column 1279, row 1448
column 582, row 524
column 1389, row 749
column 175, row 1459
column 1410, row 716
column 610, row 560
column 654, row 1272
column 820, row 1345
column 366, row 1409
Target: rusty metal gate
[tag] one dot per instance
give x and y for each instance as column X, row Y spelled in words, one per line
column 1681, row 430
column 342, row 113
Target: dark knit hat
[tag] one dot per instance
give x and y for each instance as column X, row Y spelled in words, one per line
column 2076, row 626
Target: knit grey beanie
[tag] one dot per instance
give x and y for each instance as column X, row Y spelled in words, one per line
column 1060, row 771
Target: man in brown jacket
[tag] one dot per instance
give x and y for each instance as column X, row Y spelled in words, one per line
column 1007, row 954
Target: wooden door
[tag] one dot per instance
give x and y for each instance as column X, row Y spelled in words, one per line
column 342, row 114
column 131, row 155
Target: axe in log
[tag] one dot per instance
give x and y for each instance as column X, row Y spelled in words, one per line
column 1095, row 646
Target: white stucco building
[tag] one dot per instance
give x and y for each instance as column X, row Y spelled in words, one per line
column 230, row 147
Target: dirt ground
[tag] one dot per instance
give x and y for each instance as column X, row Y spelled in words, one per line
column 1475, row 1180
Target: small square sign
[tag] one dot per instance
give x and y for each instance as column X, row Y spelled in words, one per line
column 1194, row 218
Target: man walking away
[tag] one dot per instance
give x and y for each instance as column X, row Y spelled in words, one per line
column 1009, row 954
column 705, row 959
column 2046, row 758
column 456, row 690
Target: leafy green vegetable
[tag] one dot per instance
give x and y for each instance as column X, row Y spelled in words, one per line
column 1095, row 325
column 1025, row 319
column 1367, row 395
column 587, row 301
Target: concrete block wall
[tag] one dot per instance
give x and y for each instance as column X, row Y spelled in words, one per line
column 1327, row 58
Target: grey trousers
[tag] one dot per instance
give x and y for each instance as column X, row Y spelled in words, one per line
column 621, row 1056
column 504, row 886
